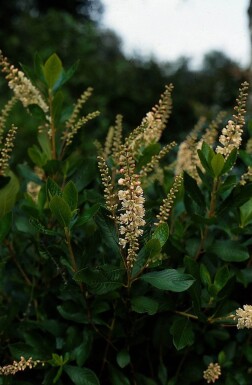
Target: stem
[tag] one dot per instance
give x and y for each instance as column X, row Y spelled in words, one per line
column 211, row 214
column 13, row 256
column 69, row 246
column 188, row 315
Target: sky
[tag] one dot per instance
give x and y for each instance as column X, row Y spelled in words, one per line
column 169, row 29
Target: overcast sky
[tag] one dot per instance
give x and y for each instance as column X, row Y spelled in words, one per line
column 168, row 29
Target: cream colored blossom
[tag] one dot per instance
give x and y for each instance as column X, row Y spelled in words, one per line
column 131, row 220
column 212, row 373
column 22, row 87
column 18, row 366
column 244, row 317
column 231, row 136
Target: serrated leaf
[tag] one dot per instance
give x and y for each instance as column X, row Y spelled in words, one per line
column 229, row 251
column 123, row 358
column 161, row 233
column 144, row 304
column 41, row 228
column 8, row 194
column 52, row 188
column 81, row 376
column 70, row 195
column 53, row 70
column 182, row 333
column 169, row 279
column 61, row 210
column 101, row 281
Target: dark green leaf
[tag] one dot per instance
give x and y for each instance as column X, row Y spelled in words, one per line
column 123, row 358
column 169, row 279
column 117, row 377
column 8, row 194
column 88, row 214
column 182, row 333
column 81, row 376
column 52, row 188
column 221, row 278
column 103, row 280
column 144, row 304
column 161, row 233
column 149, row 252
column 5, row 226
column 230, row 161
column 108, row 231
column 61, row 210
column 229, row 251
column 39, row 158
column 41, row 228
column 70, row 195
column 192, row 189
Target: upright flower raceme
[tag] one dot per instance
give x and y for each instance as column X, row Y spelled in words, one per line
column 132, row 209
column 22, row 87
column 231, row 136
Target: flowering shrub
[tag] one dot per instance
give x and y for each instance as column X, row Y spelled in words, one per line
column 125, row 264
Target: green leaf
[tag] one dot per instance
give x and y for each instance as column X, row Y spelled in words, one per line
column 52, row 188
column 41, row 228
column 39, row 158
column 246, row 213
column 117, row 377
column 192, row 189
column 149, row 251
column 44, row 143
column 101, row 280
column 222, row 277
column 57, row 103
column 204, row 275
column 5, row 226
column 69, row 73
column 144, row 304
column 229, row 251
column 230, row 161
column 70, row 195
column 82, row 351
column 81, row 376
column 169, row 279
column 88, row 214
column 61, row 210
column 182, row 333
column 8, row 194
column 217, row 164
column 123, row 358
column 108, row 231
column 161, row 233
column 53, row 70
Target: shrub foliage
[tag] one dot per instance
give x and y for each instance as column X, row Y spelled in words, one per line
column 125, row 264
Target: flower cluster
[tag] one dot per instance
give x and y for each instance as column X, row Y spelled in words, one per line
column 4, row 115
column 109, row 195
column 231, row 136
column 7, row 149
column 212, row 373
column 244, row 317
column 132, row 206
column 165, row 208
column 22, row 87
column 154, row 123
column 18, row 366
